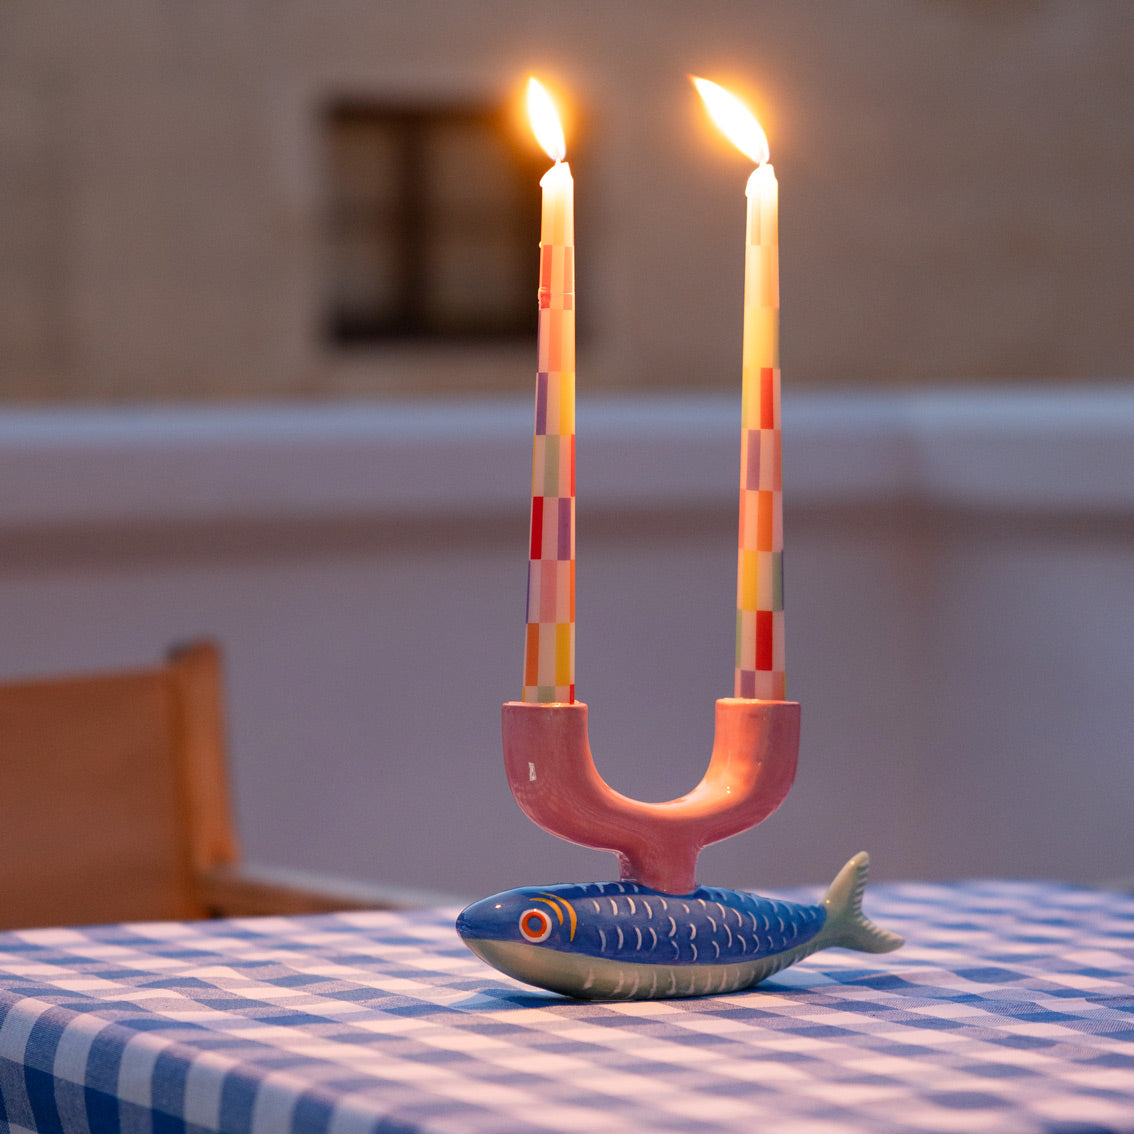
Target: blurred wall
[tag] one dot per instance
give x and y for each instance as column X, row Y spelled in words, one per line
column 960, row 631
column 954, row 176
column 954, row 181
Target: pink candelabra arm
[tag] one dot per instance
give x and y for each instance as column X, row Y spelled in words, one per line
column 554, row 780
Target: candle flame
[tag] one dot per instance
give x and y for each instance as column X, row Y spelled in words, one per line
column 545, row 121
column 735, row 120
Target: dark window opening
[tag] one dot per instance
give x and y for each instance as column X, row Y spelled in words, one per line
column 433, row 223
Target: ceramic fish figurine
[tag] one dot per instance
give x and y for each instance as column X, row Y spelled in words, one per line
column 624, row 941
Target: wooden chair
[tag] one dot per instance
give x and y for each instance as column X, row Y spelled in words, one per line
column 114, row 805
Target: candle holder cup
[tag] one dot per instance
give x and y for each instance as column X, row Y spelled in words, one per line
column 552, row 774
column 656, row 933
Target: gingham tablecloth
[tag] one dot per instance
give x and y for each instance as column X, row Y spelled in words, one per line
column 1011, row 1008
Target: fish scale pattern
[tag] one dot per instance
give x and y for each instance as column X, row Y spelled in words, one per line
column 709, row 926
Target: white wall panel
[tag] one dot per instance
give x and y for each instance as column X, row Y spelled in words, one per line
column 960, row 622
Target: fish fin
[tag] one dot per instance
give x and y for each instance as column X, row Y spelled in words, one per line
column 847, row 925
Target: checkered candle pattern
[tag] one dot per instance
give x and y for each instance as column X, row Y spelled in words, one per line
column 549, row 647
column 760, row 550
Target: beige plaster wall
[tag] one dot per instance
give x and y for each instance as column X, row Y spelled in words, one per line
column 955, row 182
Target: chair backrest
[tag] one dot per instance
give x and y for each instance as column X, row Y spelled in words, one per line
column 113, row 793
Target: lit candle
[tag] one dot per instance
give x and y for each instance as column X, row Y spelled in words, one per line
column 760, row 545
column 549, row 646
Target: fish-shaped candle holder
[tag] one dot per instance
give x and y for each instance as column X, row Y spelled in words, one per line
column 656, row 933
column 625, row 941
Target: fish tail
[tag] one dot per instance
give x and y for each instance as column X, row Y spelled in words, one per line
column 846, row 924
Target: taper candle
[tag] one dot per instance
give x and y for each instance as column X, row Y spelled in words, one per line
column 549, row 645
column 759, row 667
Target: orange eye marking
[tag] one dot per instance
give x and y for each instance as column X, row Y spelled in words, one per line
column 554, row 905
column 535, row 925
column 557, row 904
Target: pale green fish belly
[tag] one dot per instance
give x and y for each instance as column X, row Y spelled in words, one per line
column 605, row 978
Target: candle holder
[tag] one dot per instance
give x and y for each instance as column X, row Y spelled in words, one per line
column 655, row 933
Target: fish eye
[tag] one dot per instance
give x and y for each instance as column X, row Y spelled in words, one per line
column 535, row 925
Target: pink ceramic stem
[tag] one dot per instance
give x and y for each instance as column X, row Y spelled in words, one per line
column 553, row 777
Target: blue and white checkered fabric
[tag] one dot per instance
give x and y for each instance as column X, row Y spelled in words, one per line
column 1010, row 1009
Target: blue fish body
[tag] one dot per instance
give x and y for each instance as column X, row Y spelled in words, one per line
column 622, row 940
